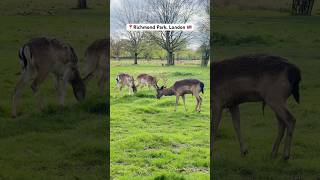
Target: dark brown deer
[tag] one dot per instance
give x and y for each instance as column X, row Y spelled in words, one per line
column 181, row 88
column 42, row 56
column 252, row 78
column 96, row 63
column 124, row 79
column 147, row 80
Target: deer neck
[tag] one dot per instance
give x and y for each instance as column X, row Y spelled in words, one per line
column 168, row 91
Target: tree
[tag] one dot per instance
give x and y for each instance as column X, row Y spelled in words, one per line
column 131, row 12
column 117, row 47
column 205, row 50
column 82, row 4
column 302, row 7
column 170, row 12
column 205, row 32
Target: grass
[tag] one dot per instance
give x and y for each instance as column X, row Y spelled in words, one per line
column 57, row 142
column 151, row 141
column 296, row 38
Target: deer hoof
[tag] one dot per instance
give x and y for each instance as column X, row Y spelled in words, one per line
column 286, row 158
column 244, row 153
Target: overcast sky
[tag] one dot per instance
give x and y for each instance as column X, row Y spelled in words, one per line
column 114, row 4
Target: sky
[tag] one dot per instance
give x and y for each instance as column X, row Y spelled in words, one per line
column 114, row 4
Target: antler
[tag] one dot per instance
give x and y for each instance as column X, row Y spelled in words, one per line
column 164, row 79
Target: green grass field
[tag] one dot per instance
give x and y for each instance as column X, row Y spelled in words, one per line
column 296, row 38
column 151, row 141
column 58, row 142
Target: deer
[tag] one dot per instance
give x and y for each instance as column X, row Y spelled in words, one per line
column 269, row 79
column 181, row 88
column 41, row 56
column 146, row 80
column 124, row 79
column 96, row 63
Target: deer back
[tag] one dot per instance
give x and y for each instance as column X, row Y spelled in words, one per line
column 96, row 55
column 187, row 86
column 147, row 78
column 250, row 78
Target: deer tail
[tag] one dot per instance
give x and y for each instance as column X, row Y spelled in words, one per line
column 294, row 77
column 24, row 55
column 202, row 87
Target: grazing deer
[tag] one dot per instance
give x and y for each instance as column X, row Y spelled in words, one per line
column 96, row 62
column 42, row 56
column 124, row 79
column 252, row 78
column 146, row 80
column 181, row 88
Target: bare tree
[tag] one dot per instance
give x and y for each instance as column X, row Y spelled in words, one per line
column 131, row 12
column 82, row 4
column 204, row 29
column 170, row 12
column 117, row 46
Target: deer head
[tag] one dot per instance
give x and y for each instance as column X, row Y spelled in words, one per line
column 160, row 92
column 78, row 86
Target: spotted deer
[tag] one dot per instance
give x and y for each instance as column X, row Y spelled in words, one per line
column 252, row 78
column 146, row 80
column 181, row 88
column 124, row 79
column 96, row 63
column 41, row 56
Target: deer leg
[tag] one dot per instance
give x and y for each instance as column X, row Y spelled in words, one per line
column 235, row 113
column 138, row 84
column 130, row 89
column 103, row 82
column 25, row 76
column 199, row 100
column 281, row 129
column 41, row 76
column 177, row 102
column 61, row 85
column 197, row 103
column 217, row 113
column 184, row 102
column 288, row 120
column 200, row 103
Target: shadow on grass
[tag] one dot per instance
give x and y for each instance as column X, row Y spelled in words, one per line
column 141, row 95
column 52, row 118
column 182, row 74
column 131, row 99
column 170, row 177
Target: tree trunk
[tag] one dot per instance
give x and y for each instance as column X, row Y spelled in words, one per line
column 170, row 57
column 205, row 58
column 135, row 58
column 302, row 7
column 82, row 4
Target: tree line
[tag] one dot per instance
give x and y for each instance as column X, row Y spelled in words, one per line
column 168, row 42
